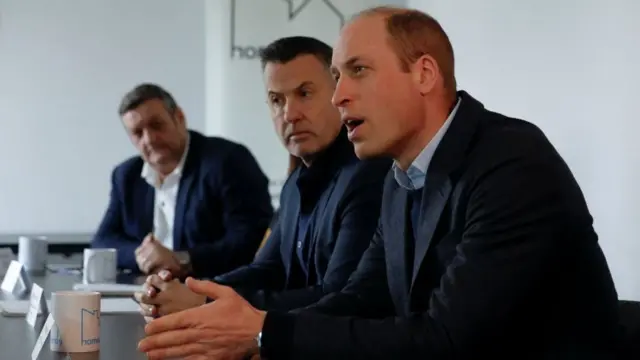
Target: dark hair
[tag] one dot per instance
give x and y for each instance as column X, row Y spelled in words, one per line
column 286, row 49
column 145, row 92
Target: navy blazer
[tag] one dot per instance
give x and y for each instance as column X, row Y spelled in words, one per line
column 340, row 228
column 222, row 211
column 505, row 263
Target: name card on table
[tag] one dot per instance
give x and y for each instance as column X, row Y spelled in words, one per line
column 16, row 272
column 6, row 257
column 11, row 277
column 46, row 329
column 37, row 303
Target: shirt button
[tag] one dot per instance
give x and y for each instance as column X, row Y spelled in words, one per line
column 299, row 244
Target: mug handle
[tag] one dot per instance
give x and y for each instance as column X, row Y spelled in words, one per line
column 89, row 268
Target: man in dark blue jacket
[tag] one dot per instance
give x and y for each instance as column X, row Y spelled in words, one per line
column 189, row 204
column 329, row 205
column 485, row 248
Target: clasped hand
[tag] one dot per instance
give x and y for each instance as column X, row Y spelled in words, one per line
column 223, row 329
column 164, row 295
column 152, row 256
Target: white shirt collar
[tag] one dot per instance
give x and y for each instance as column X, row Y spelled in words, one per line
column 151, row 176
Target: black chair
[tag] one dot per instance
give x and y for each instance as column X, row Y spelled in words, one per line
column 630, row 324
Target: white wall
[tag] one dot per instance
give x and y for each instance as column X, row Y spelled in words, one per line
column 571, row 67
column 64, row 65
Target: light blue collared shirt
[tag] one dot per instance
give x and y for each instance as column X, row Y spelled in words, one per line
column 414, row 177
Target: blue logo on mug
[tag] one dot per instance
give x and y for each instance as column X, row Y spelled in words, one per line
column 56, row 340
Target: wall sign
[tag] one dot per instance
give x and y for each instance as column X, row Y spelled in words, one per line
column 291, row 9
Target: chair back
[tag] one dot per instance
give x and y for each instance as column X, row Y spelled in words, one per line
column 630, row 323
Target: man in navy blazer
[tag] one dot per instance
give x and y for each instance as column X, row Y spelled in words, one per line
column 189, row 203
column 329, row 205
column 485, row 247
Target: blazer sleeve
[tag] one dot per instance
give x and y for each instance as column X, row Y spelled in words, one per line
column 110, row 233
column 514, row 220
column 366, row 293
column 247, row 212
column 267, row 270
column 361, row 210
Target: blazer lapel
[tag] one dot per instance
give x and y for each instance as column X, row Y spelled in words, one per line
column 190, row 172
column 182, row 204
column 290, row 232
column 397, row 251
column 317, row 215
column 446, row 159
column 149, row 209
column 434, row 198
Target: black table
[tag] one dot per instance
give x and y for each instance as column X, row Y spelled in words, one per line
column 119, row 334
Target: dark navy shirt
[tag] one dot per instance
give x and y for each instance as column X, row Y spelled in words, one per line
column 302, row 242
column 312, row 183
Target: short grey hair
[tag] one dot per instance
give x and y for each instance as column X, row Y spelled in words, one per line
column 145, row 92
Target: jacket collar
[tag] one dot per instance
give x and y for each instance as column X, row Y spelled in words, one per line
column 312, row 181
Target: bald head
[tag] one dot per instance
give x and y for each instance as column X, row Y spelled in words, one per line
column 412, row 34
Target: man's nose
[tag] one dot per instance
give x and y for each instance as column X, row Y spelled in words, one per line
column 292, row 112
column 343, row 93
column 148, row 137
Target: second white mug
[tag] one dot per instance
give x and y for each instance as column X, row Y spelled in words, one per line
column 100, row 266
column 32, row 253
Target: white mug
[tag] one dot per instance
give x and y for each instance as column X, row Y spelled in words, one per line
column 100, row 266
column 32, row 252
column 76, row 316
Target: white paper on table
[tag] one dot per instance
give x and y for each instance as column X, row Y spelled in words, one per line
column 110, row 289
column 119, row 306
column 107, row 306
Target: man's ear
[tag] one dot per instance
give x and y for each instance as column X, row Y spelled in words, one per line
column 425, row 72
column 178, row 115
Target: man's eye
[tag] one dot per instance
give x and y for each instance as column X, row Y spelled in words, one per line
column 274, row 100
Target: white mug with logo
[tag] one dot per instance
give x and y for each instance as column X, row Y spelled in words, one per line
column 76, row 317
column 100, row 266
column 32, row 252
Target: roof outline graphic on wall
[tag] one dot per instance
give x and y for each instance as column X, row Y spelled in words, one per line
column 292, row 12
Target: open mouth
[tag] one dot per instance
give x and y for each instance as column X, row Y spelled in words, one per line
column 353, row 123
